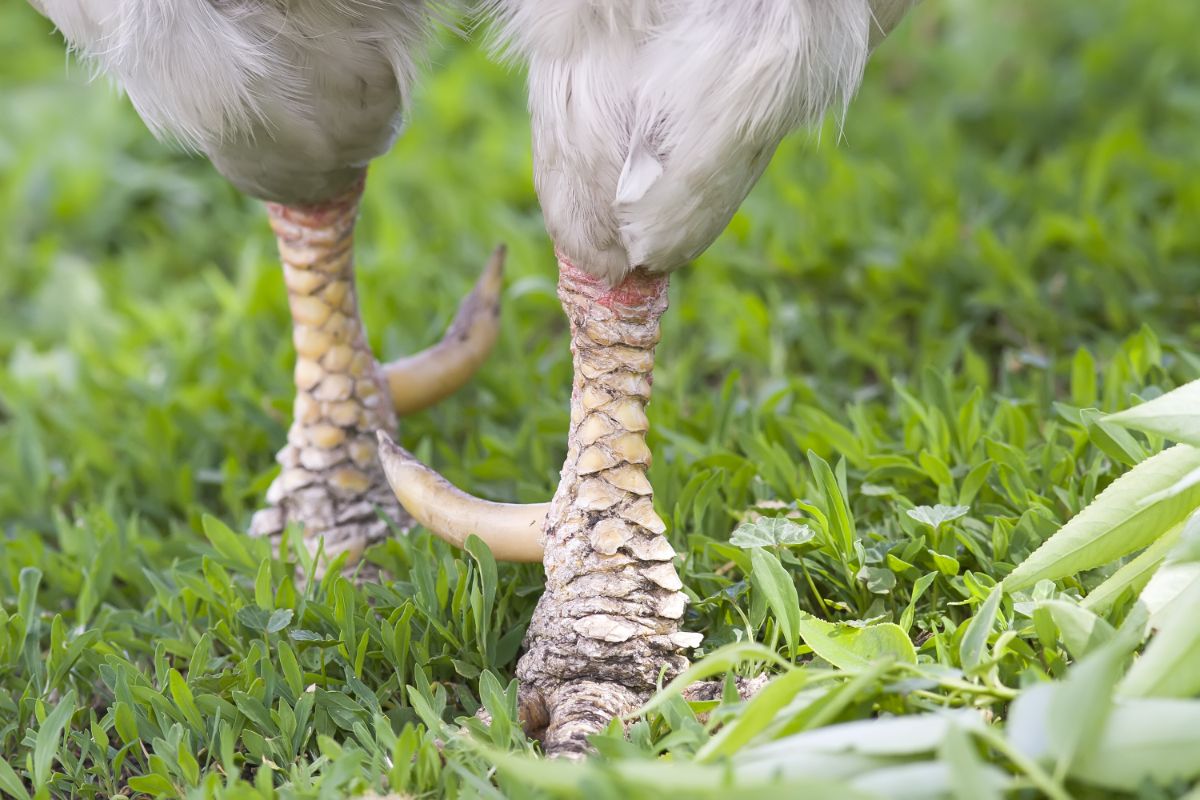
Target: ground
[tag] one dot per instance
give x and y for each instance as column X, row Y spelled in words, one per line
column 910, row 310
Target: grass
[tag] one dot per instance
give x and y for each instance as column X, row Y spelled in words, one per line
column 872, row 402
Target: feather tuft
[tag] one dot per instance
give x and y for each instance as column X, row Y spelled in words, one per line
column 289, row 98
column 653, row 119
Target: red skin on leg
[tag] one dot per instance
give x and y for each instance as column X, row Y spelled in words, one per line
column 638, row 289
column 607, row 627
column 321, row 215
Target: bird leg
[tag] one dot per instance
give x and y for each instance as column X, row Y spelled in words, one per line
column 331, row 479
column 607, row 627
column 606, row 630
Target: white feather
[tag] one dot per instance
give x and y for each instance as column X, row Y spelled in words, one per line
column 888, row 14
column 289, row 98
column 654, row 118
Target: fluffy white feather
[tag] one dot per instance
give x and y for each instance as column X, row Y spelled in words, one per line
column 289, row 98
column 654, row 118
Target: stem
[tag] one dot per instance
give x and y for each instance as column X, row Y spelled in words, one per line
column 1037, row 776
column 1000, row 692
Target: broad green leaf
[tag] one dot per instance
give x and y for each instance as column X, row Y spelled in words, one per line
column 1115, row 523
column 652, row 778
column 1144, row 741
column 187, row 762
column 1080, row 629
column 879, row 580
column 1179, row 570
column 1115, row 442
column 262, row 586
column 889, row 737
column 125, row 722
column 841, row 519
column 291, row 668
column 1132, row 576
column 769, row 577
column 182, row 695
column 279, row 620
column 1188, row 481
column 969, row 776
column 1170, row 666
column 254, row 617
column 499, row 704
column 1162, row 595
column 479, row 550
column 256, row 712
column 29, row 579
column 228, row 543
column 1028, row 725
column 1083, row 379
column 918, row 589
column 824, row 708
column 856, row 647
column 1081, row 704
column 923, row 780
column 936, row 469
column 755, row 717
column 947, row 565
column 938, row 515
column 771, row 532
column 198, row 663
column 1174, row 415
column 153, row 785
column 974, row 641
column 976, row 479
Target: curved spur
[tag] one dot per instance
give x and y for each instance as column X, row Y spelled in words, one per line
column 512, row 531
column 422, row 379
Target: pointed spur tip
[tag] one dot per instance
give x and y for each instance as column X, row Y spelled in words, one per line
column 512, row 531
column 424, row 378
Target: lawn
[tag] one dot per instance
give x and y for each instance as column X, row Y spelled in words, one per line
column 877, row 393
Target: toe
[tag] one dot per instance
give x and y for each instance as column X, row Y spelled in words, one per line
column 581, row 709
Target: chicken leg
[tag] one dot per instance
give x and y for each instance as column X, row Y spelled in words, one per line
column 607, row 627
column 331, row 479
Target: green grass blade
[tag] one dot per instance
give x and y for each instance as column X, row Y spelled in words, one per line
column 49, row 737
column 769, row 577
column 974, row 642
column 757, row 716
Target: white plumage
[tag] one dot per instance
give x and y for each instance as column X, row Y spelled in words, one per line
column 289, row 98
column 653, row 119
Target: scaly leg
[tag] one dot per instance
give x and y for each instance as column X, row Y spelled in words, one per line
column 331, row 479
column 607, row 627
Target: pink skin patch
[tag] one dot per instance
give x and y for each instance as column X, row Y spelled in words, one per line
column 637, row 290
column 320, row 215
